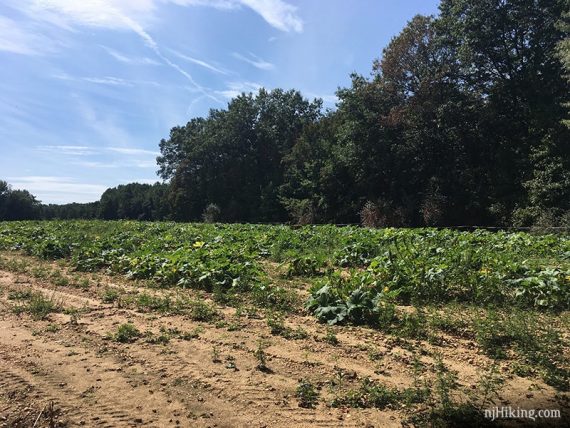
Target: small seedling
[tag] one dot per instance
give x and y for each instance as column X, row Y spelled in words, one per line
column 216, row 355
column 307, row 394
column 330, row 337
column 261, row 357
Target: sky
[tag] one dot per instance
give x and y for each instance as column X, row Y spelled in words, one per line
column 89, row 87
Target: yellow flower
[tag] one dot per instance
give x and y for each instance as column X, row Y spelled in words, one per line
column 386, row 289
column 484, row 271
column 198, row 244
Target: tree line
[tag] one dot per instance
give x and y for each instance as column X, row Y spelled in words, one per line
column 463, row 120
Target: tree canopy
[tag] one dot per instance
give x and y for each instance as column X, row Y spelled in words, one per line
column 460, row 122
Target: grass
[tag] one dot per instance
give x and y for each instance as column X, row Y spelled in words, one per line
column 277, row 327
column 126, row 333
column 38, row 306
column 530, row 339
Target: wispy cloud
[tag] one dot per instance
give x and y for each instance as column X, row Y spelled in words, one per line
column 19, row 40
column 110, row 14
column 88, row 150
column 120, row 15
column 198, row 62
column 130, row 151
column 254, row 60
column 68, row 150
column 277, row 13
column 104, row 157
column 105, row 80
column 130, row 60
column 236, row 88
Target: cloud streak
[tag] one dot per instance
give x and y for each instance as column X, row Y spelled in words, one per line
column 198, row 62
column 237, row 88
column 129, row 60
column 16, row 39
column 255, row 61
column 277, row 13
column 105, row 80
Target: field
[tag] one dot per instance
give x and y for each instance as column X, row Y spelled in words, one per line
column 164, row 324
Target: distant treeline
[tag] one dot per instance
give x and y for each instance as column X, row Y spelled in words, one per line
column 132, row 201
column 463, row 120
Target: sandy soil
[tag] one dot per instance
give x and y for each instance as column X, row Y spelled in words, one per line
column 66, row 371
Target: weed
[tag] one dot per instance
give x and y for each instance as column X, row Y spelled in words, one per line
column 110, row 295
column 126, row 333
column 307, row 394
column 330, row 337
column 261, row 357
column 19, row 295
column 201, row 311
column 216, row 355
column 53, row 328
column 38, row 306
column 276, row 324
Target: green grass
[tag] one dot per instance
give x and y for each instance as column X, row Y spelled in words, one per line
column 126, row 333
column 38, row 306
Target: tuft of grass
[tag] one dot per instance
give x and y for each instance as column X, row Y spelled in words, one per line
column 201, row 311
column 110, row 295
column 126, row 333
column 37, row 305
column 276, row 324
column 330, row 337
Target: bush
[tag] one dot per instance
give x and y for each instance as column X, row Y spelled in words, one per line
column 211, row 213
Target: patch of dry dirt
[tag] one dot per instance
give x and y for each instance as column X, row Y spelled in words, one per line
column 66, row 371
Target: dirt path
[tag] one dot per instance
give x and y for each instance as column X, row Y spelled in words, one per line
column 66, row 370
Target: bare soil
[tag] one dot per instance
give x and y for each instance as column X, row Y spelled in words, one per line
column 67, row 371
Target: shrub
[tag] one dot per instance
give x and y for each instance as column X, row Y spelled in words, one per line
column 211, row 213
column 307, row 394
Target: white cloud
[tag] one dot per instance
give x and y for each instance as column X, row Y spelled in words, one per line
column 93, row 13
column 237, row 88
column 88, row 150
column 130, row 60
column 198, row 62
column 113, row 81
column 277, row 13
column 68, row 150
column 16, row 39
column 255, row 61
column 105, row 80
column 130, row 151
column 112, row 13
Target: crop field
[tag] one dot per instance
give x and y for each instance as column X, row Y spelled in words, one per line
column 163, row 324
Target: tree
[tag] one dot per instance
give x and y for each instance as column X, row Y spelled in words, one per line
column 564, row 49
column 506, row 51
column 233, row 158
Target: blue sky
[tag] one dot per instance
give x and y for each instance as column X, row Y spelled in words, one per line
column 89, row 87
